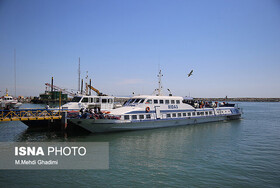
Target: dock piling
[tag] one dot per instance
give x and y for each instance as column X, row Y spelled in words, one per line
column 64, row 120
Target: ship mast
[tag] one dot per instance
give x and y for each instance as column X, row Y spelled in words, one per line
column 15, row 73
column 159, row 83
column 87, row 84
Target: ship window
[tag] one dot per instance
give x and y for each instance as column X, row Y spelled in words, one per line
column 198, row 113
column 132, row 100
column 172, row 101
column 184, row 114
column 161, row 101
column 134, row 116
column 85, row 99
column 110, row 100
column 76, row 99
column 96, row 100
column 168, row 115
column 177, row 101
column 104, row 100
column 126, row 117
column 155, row 101
column 166, row 101
column 193, row 113
column 173, row 115
column 210, row 113
column 149, row 101
column 179, row 114
column 137, row 100
column 148, row 116
column 141, row 116
column 189, row 114
column 142, row 100
column 206, row 113
column 91, row 100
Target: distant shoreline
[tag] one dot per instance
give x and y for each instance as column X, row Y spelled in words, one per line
column 238, row 99
column 241, row 99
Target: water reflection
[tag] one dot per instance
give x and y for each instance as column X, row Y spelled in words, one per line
column 30, row 135
column 152, row 148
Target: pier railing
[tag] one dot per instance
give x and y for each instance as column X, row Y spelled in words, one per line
column 30, row 114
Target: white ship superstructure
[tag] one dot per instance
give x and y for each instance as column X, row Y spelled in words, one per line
column 90, row 102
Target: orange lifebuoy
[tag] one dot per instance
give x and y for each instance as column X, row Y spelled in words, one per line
column 148, row 109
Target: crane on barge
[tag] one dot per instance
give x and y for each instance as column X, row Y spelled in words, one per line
column 96, row 91
column 60, row 89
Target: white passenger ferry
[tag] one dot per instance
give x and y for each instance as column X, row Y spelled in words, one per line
column 149, row 111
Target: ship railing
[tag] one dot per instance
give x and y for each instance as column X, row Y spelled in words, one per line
column 87, row 115
column 25, row 114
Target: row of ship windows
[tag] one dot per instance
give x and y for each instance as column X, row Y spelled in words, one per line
column 150, row 101
column 7, row 99
column 154, row 101
column 96, row 100
column 189, row 114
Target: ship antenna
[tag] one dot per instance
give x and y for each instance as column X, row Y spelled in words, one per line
column 79, row 75
column 87, row 83
column 159, row 83
column 15, row 73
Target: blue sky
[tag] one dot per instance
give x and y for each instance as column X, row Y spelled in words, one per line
column 233, row 46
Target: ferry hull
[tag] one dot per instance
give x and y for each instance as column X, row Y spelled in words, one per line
column 108, row 125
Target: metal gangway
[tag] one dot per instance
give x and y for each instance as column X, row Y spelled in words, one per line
column 30, row 114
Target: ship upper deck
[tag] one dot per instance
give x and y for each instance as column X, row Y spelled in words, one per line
column 150, row 102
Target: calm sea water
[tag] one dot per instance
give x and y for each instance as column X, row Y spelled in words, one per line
column 239, row 153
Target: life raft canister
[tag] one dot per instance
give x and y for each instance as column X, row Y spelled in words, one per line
column 106, row 112
column 148, row 109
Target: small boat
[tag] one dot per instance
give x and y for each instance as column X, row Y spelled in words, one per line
column 156, row 111
column 8, row 102
column 104, row 103
column 101, row 101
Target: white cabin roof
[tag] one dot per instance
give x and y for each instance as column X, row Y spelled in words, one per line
column 158, row 97
column 94, row 96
